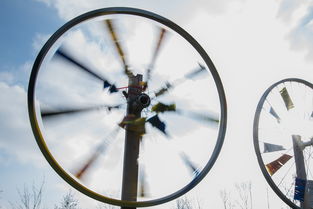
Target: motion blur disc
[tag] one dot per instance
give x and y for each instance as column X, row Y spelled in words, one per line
column 77, row 105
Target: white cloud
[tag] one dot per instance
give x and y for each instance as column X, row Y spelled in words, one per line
column 16, row 137
column 17, row 75
column 289, row 9
column 177, row 9
column 298, row 15
column 301, row 35
column 39, row 41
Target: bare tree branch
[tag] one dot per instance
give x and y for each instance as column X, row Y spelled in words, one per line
column 68, row 202
column 244, row 191
column 106, row 206
column 186, row 203
column 227, row 202
column 29, row 199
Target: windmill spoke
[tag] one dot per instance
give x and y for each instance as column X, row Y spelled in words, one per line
column 289, row 169
column 308, row 159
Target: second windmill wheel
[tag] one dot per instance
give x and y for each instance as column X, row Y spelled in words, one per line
column 127, row 107
column 283, row 140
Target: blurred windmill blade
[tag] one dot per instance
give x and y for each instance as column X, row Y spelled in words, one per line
column 287, row 99
column 163, row 90
column 156, row 51
column 190, row 75
column 112, row 30
column 190, row 165
column 161, row 107
column 201, row 69
column 143, row 188
column 205, row 117
column 61, row 111
column 80, row 173
column 66, row 56
column 100, row 149
column 157, row 123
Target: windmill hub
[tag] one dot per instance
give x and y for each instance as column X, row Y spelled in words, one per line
column 143, row 100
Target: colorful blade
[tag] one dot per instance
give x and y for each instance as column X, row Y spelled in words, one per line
column 286, row 97
column 106, row 84
column 160, row 108
column 274, row 166
column 157, row 123
column 194, row 169
column 100, row 149
column 83, row 170
column 68, row 111
column 65, row 56
column 156, row 52
column 113, row 89
column 115, row 39
column 163, row 90
column 272, row 147
column 130, row 122
column 300, row 185
column 274, row 114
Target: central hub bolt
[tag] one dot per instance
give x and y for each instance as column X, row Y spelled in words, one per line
column 143, row 100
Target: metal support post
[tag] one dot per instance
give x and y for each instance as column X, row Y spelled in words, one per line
column 300, row 167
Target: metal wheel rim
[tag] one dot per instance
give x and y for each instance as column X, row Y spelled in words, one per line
column 40, row 139
column 265, row 173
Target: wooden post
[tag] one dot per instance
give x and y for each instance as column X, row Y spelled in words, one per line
column 132, row 143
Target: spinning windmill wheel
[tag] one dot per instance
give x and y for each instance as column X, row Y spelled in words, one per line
column 127, row 107
column 283, row 140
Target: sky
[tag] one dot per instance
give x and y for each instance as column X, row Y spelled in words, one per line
column 252, row 44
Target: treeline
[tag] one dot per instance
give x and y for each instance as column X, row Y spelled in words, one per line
column 31, row 198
